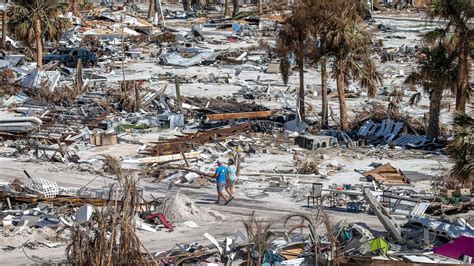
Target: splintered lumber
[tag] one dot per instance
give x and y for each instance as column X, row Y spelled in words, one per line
column 244, row 115
column 201, row 137
column 166, row 158
column 387, row 174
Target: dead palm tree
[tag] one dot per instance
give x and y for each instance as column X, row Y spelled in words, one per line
column 36, row 21
column 349, row 44
column 295, row 37
column 236, row 6
column 436, row 73
column 461, row 149
column 151, row 9
column 457, row 13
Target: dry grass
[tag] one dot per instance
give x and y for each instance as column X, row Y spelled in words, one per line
column 109, row 238
column 259, row 234
column 57, row 96
column 112, row 165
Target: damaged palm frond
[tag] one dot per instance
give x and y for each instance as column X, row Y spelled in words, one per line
column 461, row 149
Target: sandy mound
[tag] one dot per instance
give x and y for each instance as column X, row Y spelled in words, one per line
column 177, row 207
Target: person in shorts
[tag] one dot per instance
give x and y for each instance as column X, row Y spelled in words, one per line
column 230, row 180
column 220, row 176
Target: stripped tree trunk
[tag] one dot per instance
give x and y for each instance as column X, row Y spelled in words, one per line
column 235, row 11
column 463, row 76
column 341, row 88
column 435, row 109
column 226, row 9
column 301, row 91
column 324, row 95
column 39, row 43
column 151, row 9
column 260, row 7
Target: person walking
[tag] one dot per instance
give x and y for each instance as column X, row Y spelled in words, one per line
column 220, row 176
column 230, row 180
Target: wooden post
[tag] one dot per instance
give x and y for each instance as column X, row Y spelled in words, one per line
column 79, row 82
column 178, row 94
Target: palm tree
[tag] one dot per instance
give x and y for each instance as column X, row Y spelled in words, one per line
column 151, row 9
column 319, row 55
column 324, row 95
column 295, row 37
column 349, row 44
column 457, row 13
column 436, row 73
column 236, row 5
column 36, row 21
column 461, row 149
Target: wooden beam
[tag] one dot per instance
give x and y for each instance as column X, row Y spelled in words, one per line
column 245, row 115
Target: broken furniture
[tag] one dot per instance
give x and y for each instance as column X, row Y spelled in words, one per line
column 387, row 175
column 103, row 139
column 316, row 193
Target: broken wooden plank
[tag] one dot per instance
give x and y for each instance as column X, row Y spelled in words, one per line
column 164, row 158
column 244, row 115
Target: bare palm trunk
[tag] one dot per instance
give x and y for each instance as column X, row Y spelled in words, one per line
column 341, row 88
column 137, row 95
column 39, row 43
column 151, row 9
column 235, row 11
column 463, row 73
column 324, row 95
column 435, row 109
column 226, row 4
column 301, row 91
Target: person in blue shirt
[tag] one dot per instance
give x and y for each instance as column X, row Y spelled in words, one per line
column 220, row 176
column 230, row 179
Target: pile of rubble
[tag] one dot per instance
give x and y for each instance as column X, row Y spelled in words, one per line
column 120, row 99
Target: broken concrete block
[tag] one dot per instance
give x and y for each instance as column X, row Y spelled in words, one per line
column 84, row 213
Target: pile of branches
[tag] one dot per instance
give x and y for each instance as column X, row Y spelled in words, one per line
column 306, row 166
column 59, row 96
column 165, row 37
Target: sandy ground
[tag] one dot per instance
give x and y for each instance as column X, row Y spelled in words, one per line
column 250, row 196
